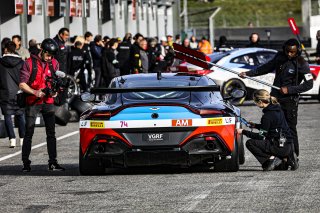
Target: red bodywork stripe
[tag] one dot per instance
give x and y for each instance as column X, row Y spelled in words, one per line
column 87, row 135
column 225, row 132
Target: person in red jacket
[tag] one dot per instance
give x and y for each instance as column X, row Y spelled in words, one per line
column 34, row 73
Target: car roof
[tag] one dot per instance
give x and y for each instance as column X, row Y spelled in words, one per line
column 241, row 51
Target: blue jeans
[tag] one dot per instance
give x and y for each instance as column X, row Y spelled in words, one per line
column 19, row 114
column 20, row 123
column 47, row 111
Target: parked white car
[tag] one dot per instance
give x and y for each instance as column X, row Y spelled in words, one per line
column 243, row 60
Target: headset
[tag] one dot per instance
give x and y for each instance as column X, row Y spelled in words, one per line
column 293, row 42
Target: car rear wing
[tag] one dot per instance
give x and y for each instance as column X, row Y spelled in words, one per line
column 102, row 91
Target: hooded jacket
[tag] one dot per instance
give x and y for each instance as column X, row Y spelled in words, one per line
column 272, row 122
column 10, row 65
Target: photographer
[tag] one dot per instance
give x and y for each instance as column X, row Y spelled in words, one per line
column 272, row 146
column 34, row 73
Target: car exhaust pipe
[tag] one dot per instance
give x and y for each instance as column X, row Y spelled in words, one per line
column 210, row 145
column 100, row 148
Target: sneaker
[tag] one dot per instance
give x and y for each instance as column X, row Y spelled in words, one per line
column 55, row 167
column 26, row 168
column 283, row 166
column 293, row 162
column 12, row 143
column 273, row 164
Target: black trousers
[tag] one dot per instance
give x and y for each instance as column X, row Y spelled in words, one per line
column 98, row 76
column 47, row 111
column 290, row 109
column 263, row 149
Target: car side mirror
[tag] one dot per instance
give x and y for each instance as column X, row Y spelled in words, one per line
column 87, row 97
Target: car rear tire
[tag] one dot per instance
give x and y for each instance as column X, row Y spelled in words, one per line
column 229, row 165
column 230, row 85
column 90, row 166
column 241, row 150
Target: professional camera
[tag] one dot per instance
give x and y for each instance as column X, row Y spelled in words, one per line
column 55, row 83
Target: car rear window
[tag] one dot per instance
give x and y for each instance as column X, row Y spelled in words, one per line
column 156, row 94
column 215, row 57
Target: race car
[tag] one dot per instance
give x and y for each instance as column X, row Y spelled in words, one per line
column 242, row 60
column 154, row 119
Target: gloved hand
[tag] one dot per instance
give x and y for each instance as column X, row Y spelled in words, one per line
column 251, row 124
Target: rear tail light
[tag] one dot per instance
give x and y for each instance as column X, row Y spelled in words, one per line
column 99, row 115
column 203, row 72
column 190, row 70
column 210, row 138
column 210, row 112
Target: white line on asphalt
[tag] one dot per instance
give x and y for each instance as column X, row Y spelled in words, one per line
column 194, row 200
column 38, row 145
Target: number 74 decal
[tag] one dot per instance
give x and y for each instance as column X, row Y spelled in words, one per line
column 123, row 124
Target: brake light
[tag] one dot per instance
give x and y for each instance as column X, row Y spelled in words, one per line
column 99, row 115
column 203, row 72
column 210, row 138
column 210, row 112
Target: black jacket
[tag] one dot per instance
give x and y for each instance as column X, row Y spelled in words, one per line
column 96, row 54
column 272, row 123
column 88, row 57
column 76, row 60
column 62, row 54
column 110, row 64
column 124, row 56
column 286, row 75
column 251, row 44
column 10, row 66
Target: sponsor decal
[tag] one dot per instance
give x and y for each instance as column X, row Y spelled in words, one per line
column 292, row 71
column 228, row 120
column 83, row 123
column 96, row 124
column 214, row 121
column 155, row 137
column 182, row 122
column 123, row 124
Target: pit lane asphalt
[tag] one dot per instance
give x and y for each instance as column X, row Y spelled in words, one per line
column 163, row 190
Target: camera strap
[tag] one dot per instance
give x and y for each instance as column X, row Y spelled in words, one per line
column 53, row 72
column 34, row 71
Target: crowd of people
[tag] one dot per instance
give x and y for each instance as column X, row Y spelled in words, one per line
column 95, row 60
